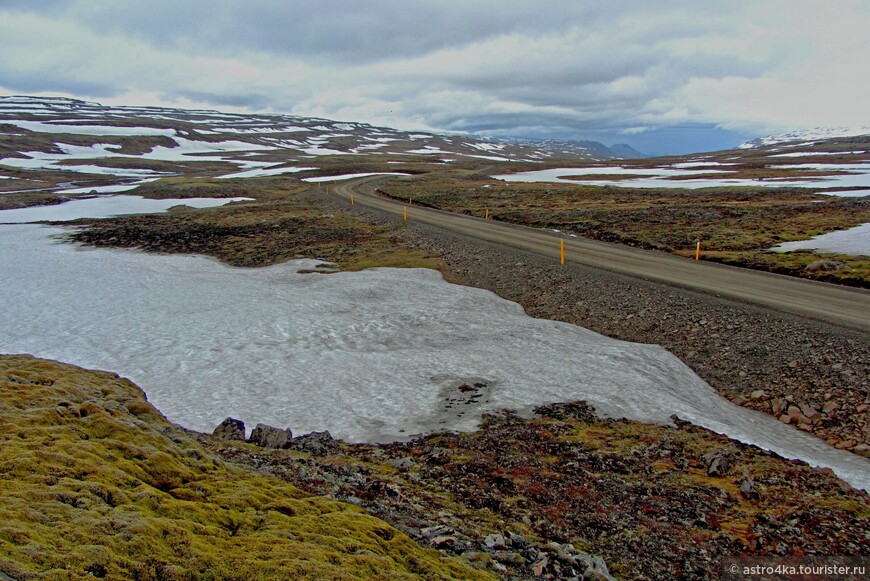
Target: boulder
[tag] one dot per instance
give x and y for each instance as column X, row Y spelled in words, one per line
column 316, row 443
column 230, row 429
column 269, row 437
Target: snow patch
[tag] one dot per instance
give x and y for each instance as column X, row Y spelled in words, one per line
column 366, row 355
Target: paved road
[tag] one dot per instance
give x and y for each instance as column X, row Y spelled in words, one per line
column 834, row 304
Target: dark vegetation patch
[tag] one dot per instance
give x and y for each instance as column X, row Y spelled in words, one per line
column 287, row 222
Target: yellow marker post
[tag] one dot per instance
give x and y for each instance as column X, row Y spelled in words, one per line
column 486, row 217
column 698, row 251
column 562, row 251
column 405, row 212
column 351, row 199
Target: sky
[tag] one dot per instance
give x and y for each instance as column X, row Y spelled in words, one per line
column 665, row 77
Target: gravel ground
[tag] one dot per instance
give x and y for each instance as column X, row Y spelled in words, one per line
column 807, row 373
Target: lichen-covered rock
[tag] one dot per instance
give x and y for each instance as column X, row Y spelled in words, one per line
column 230, row 429
column 269, row 437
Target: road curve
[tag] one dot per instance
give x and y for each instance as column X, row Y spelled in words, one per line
column 842, row 306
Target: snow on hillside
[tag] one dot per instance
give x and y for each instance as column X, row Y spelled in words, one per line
column 807, row 135
column 57, row 134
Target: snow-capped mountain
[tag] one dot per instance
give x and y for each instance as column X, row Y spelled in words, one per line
column 807, row 135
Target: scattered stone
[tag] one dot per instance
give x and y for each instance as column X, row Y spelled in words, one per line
column 793, row 364
column 739, row 399
column 439, row 456
column 444, row 541
column 778, row 405
column 758, row 394
column 593, row 567
column 269, row 437
column 862, row 450
column 809, row 411
column 230, row 429
column 827, row 266
column 498, row 567
column 539, row 566
column 436, row 531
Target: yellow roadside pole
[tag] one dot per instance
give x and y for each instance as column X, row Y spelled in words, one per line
column 405, row 212
column 562, row 251
column 351, row 199
column 698, row 251
column 486, row 217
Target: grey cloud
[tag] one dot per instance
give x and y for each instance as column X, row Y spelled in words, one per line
column 37, row 82
column 331, row 30
column 549, row 68
column 249, row 101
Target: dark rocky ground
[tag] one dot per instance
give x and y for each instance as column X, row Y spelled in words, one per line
column 566, row 495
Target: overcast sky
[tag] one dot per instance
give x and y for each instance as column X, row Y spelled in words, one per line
column 665, row 77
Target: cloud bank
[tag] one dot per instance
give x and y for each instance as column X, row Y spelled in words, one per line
column 635, row 72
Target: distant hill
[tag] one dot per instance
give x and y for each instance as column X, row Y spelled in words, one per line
column 247, row 140
column 807, row 135
column 626, row 151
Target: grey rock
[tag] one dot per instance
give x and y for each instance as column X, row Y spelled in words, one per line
column 316, row 443
column 517, row 541
column 748, row 490
column 494, row 541
column 401, row 463
column 269, row 437
column 230, row 429
column 827, row 265
column 719, row 462
column 436, row 531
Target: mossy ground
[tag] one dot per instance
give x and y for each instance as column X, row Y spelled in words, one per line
column 95, row 482
column 734, row 225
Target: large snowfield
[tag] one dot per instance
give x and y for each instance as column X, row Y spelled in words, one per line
column 377, row 355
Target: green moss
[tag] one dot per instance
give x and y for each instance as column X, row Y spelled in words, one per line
column 95, row 482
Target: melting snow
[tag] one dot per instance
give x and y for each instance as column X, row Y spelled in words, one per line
column 41, row 127
column 371, row 356
column 262, row 172
column 349, row 176
column 854, row 241
column 858, row 175
column 103, row 207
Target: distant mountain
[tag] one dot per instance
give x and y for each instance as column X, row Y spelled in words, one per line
column 807, row 135
column 626, row 151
